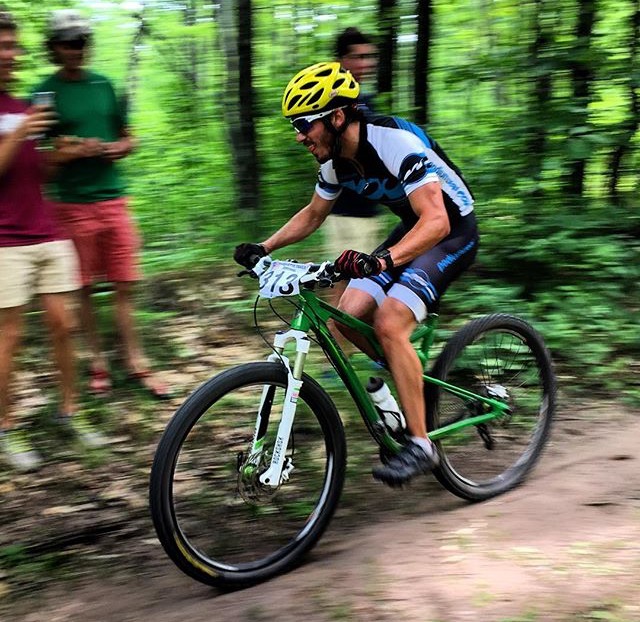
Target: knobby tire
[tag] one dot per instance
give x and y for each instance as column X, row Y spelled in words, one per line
column 493, row 354
column 218, row 524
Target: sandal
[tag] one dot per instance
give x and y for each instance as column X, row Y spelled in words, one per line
column 99, row 381
column 156, row 389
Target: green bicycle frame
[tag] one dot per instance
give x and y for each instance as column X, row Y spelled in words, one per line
column 313, row 314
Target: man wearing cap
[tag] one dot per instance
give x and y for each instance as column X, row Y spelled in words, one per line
column 92, row 134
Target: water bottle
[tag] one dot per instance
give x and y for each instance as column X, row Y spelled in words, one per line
column 386, row 404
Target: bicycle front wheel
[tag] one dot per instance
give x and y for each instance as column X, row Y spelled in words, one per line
column 502, row 357
column 213, row 516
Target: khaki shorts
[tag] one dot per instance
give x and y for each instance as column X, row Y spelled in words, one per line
column 351, row 232
column 47, row 268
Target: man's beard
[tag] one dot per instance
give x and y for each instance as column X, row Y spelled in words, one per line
column 322, row 160
column 330, row 145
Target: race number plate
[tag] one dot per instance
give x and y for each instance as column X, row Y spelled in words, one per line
column 282, row 279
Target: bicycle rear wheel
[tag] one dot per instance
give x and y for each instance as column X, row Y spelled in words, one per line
column 214, row 518
column 502, row 357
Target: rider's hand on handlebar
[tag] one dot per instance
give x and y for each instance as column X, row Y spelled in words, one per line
column 248, row 254
column 354, row 264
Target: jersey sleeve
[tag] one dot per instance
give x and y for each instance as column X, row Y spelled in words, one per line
column 327, row 186
column 406, row 157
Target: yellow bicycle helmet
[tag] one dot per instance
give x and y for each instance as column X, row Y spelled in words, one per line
column 318, row 88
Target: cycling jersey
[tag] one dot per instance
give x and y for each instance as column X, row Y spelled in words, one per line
column 394, row 158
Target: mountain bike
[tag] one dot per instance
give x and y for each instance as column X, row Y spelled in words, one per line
column 249, row 470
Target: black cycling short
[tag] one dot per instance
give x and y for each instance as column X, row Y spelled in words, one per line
column 421, row 283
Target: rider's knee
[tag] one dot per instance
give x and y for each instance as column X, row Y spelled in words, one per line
column 385, row 327
column 357, row 303
column 393, row 322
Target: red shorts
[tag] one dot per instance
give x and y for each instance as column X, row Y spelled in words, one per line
column 105, row 237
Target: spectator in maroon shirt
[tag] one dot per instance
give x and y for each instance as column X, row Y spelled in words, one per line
column 34, row 257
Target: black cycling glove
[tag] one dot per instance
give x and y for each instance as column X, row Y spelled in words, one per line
column 248, row 254
column 356, row 265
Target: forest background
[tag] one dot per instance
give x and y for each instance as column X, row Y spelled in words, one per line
column 537, row 101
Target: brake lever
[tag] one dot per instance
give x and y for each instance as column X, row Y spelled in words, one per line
column 251, row 273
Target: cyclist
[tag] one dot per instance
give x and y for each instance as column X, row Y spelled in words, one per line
column 393, row 161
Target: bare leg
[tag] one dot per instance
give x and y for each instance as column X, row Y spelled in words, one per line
column 100, row 381
column 133, row 355
column 10, row 330
column 360, row 305
column 60, row 323
column 90, row 328
column 394, row 323
column 135, row 360
column 335, row 294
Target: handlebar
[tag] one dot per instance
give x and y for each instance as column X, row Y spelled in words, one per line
column 324, row 275
column 318, row 275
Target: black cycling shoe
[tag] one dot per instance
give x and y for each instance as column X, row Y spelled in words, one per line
column 411, row 461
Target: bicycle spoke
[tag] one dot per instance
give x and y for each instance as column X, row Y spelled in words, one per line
column 500, row 359
column 217, row 493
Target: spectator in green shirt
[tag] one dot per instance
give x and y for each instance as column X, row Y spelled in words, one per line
column 92, row 134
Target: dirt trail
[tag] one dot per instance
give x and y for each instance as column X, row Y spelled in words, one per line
column 565, row 546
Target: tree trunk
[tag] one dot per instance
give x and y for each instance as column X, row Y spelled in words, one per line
column 421, row 76
column 247, row 152
column 489, row 35
column 632, row 123
column 387, row 28
column 191, row 68
column 581, row 78
column 131, row 74
column 540, row 97
column 236, row 45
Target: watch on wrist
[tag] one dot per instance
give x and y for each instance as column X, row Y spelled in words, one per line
column 386, row 255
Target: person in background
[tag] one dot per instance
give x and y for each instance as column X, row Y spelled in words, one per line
column 34, row 258
column 353, row 221
column 357, row 54
column 91, row 201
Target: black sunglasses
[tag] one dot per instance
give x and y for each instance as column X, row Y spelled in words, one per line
column 303, row 125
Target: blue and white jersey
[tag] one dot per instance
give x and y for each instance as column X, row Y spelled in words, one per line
column 395, row 157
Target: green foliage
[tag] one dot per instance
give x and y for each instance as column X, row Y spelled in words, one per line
column 27, row 567
column 570, row 264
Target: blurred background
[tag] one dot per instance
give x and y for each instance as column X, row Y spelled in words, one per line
column 537, row 101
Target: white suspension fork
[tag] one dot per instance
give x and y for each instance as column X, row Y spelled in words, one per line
column 274, row 474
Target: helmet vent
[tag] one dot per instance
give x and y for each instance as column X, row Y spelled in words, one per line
column 317, row 87
column 294, row 100
column 314, row 98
